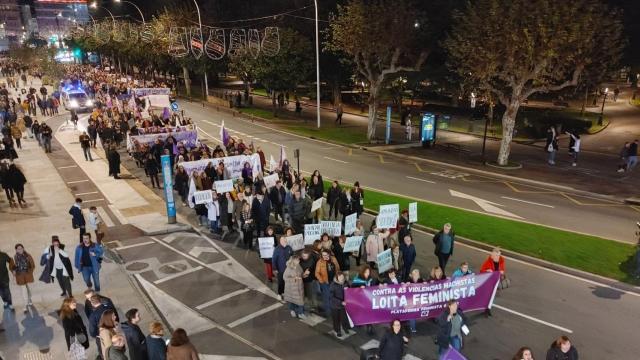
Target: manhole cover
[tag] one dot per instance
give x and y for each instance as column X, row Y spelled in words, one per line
column 173, row 268
column 137, row 266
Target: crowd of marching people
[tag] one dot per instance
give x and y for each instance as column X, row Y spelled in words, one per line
column 312, row 279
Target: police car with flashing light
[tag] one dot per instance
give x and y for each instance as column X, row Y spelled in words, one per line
column 75, row 99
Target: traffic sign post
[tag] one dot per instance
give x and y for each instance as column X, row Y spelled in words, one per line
column 168, row 188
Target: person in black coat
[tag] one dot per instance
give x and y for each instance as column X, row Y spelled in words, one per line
column 156, row 346
column 114, row 162
column 450, row 324
column 277, row 194
column 392, row 342
column 88, row 309
column 562, row 349
column 74, row 328
column 151, row 168
column 136, row 341
column 17, row 181
column 333, row 197
column 260, row 210
column 77, row 218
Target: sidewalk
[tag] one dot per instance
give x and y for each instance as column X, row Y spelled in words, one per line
column 595, row 173
column 38, row 334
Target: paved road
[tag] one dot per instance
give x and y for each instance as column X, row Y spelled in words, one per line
column 433, row 183
column 212, row 287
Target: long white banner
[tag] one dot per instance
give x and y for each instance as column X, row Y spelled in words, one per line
column 233, row 165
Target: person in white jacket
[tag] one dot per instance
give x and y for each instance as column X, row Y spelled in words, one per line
column 213, row 212
column 575, row 147
column 96, row 224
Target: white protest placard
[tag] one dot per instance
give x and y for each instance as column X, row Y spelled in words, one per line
column 384, row 261
column 312, row 232
column 266, row 247
column 413, row 212
column 386, row 221
column 393, row 209
column 350, row 223
column 223, row 186
column 296, row 242
column 203, row 197
column 333, row 228
column 352, row 244
column 316, row 204
column 270, row 181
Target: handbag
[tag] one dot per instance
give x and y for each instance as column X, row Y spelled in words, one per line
column 505, row 282
column 77, row 351
column 550, row 147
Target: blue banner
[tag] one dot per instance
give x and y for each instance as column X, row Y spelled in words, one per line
column 167, row 179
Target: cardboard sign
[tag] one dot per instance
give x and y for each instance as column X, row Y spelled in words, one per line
column 384, row 261
column 333, row 228
column 270, row 181
column 317, row 204
column 312, row 232
column 296, row 242
column 386, row 221
column 266, row 247
column 223, row 186
column 413, row 212
column 350, row 223
column 352, row 244
column 203, row 197
column 393, row 209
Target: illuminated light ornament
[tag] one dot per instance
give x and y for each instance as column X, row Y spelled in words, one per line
column 237, row 42
column 177, row 44
column 102, row 33
column 118, row 33
column 271, row 41
column 195, row 42
column 133, row 33
column 253, row 45
column 216, row 45
column 147, row 33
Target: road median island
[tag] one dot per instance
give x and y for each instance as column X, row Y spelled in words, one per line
column 604, row 257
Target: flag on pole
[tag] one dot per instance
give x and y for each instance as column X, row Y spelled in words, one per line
column 224, row 134
column 283, row 156
column 192, row 190
column 166, row 114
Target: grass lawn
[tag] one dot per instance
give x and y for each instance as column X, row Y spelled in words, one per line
column 588, row 253
column 258, row 112
column 338, row 134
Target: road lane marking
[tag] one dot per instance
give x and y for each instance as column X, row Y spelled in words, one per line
column 93, row 200
column 222, row 298
column 87, row 193
column 77, row 181
column 177, row 275
column 135, row 245
column 527, row 202
column 534, row 319
column 419, row 167
column 332, row 159
column 67, row 167
column 418, row 179
column 381, row 159
column 254, row 315
column 486, row 205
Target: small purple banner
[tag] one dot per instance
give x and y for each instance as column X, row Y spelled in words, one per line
column 384, row 304
column 452, row 354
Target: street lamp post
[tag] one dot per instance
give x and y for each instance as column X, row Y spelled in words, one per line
column 317, row 65
column 113, row 18
column 135, row 6
column 604, row 99
column 206, row 82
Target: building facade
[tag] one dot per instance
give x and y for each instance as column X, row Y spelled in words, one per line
column 57, row 17
column 10, row 21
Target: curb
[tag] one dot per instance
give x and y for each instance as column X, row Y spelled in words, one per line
column 616, row 284
column 172, row 228
column 632, row 201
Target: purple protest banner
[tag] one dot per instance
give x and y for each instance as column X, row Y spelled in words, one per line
column 375, row 304
column 452, row 354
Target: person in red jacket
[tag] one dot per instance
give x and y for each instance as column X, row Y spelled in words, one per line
column 494, row 262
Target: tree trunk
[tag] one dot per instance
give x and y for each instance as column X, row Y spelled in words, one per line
column 508, row 123
column 337, row 93
column 584, row 103
column 187, row 82
column 491, row 106
column 373, row 111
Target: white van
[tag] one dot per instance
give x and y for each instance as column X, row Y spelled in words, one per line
column 76, row 99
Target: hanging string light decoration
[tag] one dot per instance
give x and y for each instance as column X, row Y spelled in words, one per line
column 178, row 43
column 133, row 32
column 253, row 44
column 237, row 42
column 118, row 32
column 195, row 42
column 102, row 33
column 216, row 45
column 271, row 41
column 146, row 34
